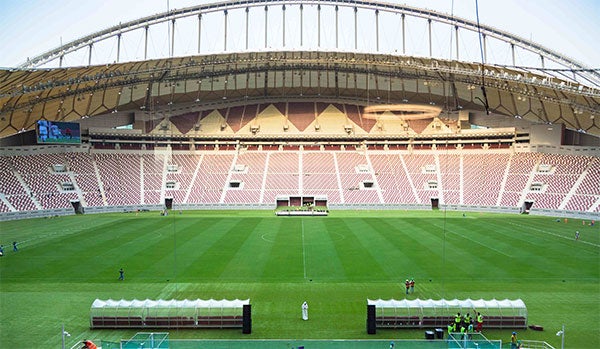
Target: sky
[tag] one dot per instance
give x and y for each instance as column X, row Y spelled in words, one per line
column 31, row 27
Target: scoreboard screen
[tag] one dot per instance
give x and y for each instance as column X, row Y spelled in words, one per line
column 57, row 132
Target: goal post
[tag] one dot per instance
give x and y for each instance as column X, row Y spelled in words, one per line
column 147, row 340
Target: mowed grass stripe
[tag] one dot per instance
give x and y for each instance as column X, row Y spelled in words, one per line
column 463, row 258
column 422, row 245
column 250, row 259
column 147, row 255
column 528, row 257
column 169, row 254
column 387, row 244
column 42, row 230
column 80, row 256
column 368, row 258
column 529, row 250
column 285, row 260
column 222, row 241
column 140, row 244
column 322, row 259
column 540, row 254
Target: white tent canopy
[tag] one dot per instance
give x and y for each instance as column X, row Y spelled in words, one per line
column 167, row 307
column 448, row 307
column 171, row 303
column 170, row 313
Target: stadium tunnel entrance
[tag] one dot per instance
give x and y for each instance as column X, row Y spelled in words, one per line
column 77, row 207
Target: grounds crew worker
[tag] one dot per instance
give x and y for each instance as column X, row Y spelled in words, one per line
column 479, row 322
column 87, row 344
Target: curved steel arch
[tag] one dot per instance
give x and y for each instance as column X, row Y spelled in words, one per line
column 593, row 76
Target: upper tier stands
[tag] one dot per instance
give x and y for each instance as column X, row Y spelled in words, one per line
column 345, row 176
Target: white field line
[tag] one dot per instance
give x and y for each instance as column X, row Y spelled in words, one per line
column 475, row 241
column 556, row 235
column 479, row 243
column 303, row 251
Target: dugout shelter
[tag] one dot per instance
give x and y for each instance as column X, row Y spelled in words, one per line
column 428, row 313
column 186, row 313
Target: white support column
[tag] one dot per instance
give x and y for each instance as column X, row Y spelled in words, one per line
column 247, row 24
column 376, row 30
column 356, row 28
column 90, row 55
column 118, row 47
column 283, row 24
column 146, row 42
column 430, row 43
column 542, row 58
column 225, row 31
column 172, row 37
column 318, row 25
column 512, row 48
column 457, row 55
column 199, row 31
column 484, row 49
column 301, row 26
column 337, row 28
column 403, row 34
column 266, row 25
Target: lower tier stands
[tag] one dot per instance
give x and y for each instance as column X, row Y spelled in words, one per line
column 471, row 178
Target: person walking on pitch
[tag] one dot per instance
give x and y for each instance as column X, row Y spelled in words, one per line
column 305, row 311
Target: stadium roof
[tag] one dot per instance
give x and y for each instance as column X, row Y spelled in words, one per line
column 166, row 86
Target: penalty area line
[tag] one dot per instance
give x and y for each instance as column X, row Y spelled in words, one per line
column 475, row 241
column 479, row 243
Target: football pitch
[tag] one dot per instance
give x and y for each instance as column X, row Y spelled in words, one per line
column 334, row 263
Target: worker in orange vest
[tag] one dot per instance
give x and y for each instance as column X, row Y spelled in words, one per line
column 87, row 344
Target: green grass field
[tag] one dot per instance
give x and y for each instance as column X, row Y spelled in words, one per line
column 335, row 263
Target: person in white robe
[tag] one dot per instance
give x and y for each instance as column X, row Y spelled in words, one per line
column 304, row 311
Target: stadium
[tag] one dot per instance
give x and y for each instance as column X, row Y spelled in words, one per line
column 188, row 179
